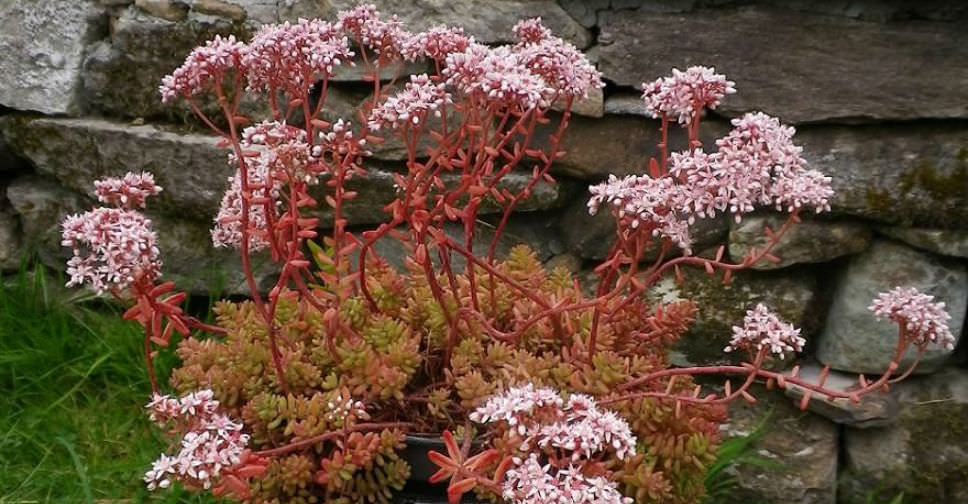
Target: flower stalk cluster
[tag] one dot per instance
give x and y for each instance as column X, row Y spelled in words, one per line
column 304, row 391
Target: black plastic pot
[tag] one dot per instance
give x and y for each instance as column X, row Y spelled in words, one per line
column 415, row 453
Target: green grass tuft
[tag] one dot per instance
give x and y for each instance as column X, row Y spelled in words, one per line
column 72, row 386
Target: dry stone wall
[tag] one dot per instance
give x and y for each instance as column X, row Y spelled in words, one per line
column 878, row 90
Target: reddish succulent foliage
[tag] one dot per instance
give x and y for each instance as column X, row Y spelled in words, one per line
column 329, row 367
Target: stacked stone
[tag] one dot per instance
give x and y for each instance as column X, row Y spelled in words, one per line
column 877, row 90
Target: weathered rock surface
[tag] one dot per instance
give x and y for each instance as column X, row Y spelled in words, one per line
column 626, row 104
column 922, row 454
column 809, row 241
column 192, row 169
column 487, row 21
column 41, row 205
column 873, row 410
column 9, row 161
column 799, row 449
column 122, row 73
column 952, row 242
column 853, row 340
column 622, row 145
column 790, row 294
column 11, row 242
column 591, row 106
column 43, row 43
column 186, row 247
column 861, row 70
column 908, row 175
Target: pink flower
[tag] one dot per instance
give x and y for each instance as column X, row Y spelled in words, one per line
column 112, row 247
column 763, row 329
column 211, row 441
column 923, row 320
column 281, row 154
column 577, row 427
column 292, row 57
column 352, row 21
column 531, row 31
column 129, row 191
column 410, row 106
column 436, row 43
column 386, row 38
column 203, row 65
column 685, row 94
column 530, row 482
column 565, row 69
column 497, row 76
column 654, row 204
column 515, row 404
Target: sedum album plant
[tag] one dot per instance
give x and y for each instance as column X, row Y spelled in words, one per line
column 306, row 391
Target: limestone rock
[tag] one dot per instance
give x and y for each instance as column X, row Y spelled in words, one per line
column 44, row 43
column 220, row 8
column 853, row 340
column 122, row 73
column 809, row 241
column 799, row 450
column 626, row 104
column 791, row 295
column 908, row 175
column 618, row 145
column 952, row 242
column 190, row 168
column 41, row 205
column 591, row 106
column 9, row 161
column 169, row 10
column 874, row 409
column 922, row 454
column 11, row 241
column 488, row 21
column 861, row 70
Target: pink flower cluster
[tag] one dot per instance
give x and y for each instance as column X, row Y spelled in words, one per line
column 280, row 152
column 684, row 95
column 498, row 76
column 923, row 320
column 292, row 57
column 386, row 38
column 113, row 247
column 577, row 426
column 129, row 191
column 411, row 106
column 763, row 329
column 655, row 204
column 570, row 433
column 203, row 65
column 756, row 163
column 531, row 482
column 531, row 31
column 436, row 43
column 211, row 442
column 564, row 68
column 516, row 405
column 532, row 73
